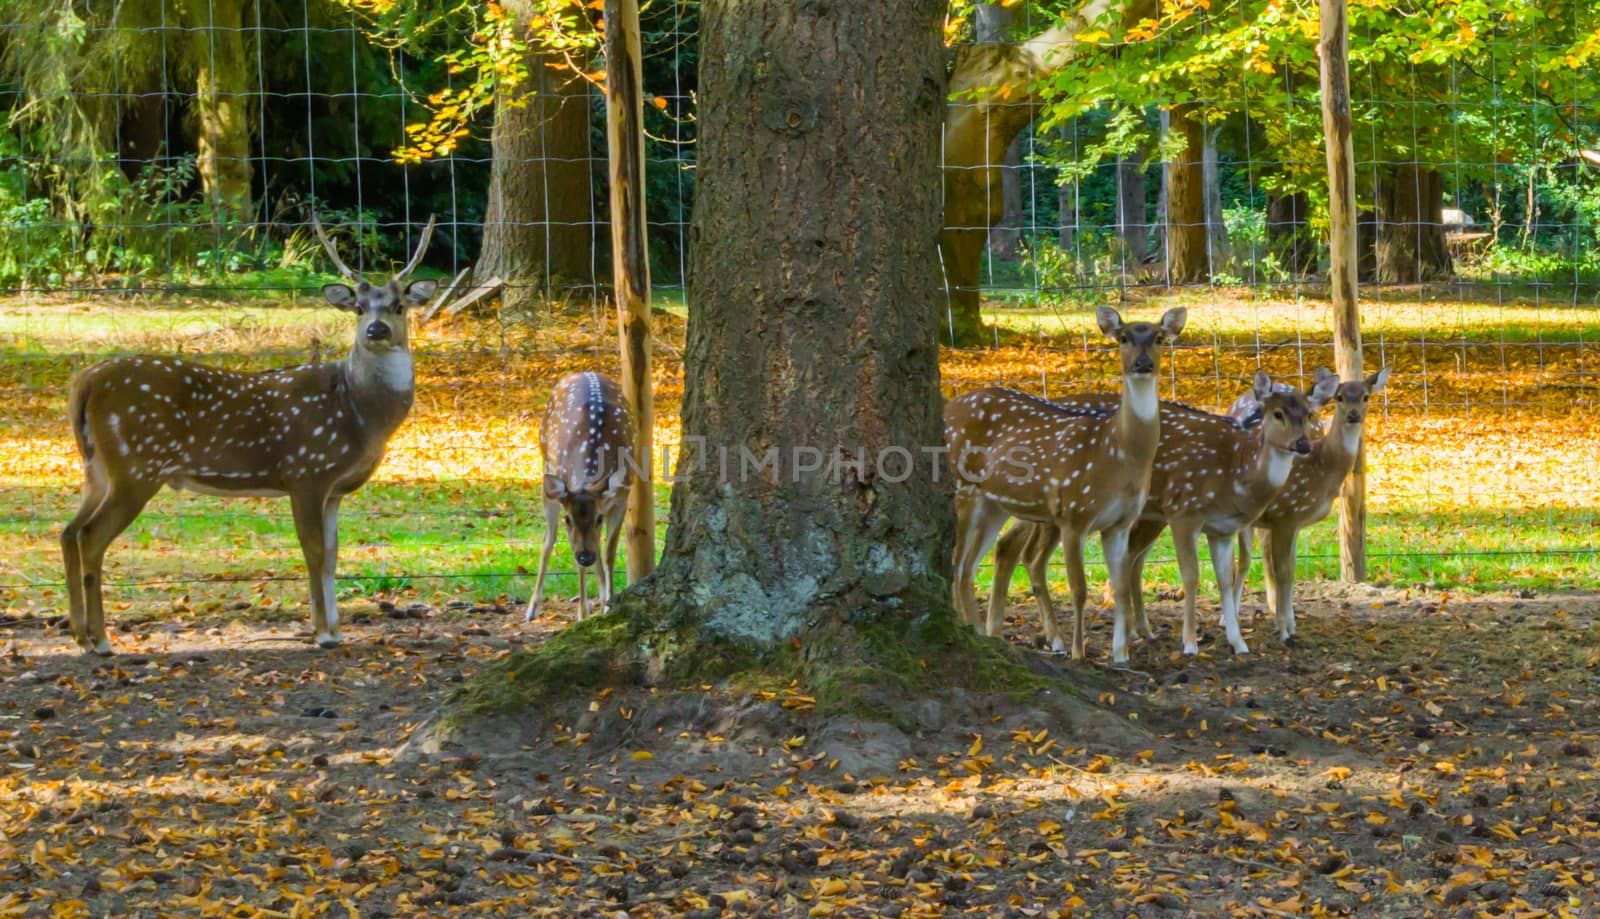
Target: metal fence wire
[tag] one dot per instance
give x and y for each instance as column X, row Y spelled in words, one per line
column 161, row 162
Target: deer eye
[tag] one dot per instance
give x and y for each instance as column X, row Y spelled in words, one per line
column 1278, row 415
column 1365, row 398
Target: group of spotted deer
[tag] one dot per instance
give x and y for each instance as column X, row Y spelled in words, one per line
column 1128, row 466
column 1124, row 467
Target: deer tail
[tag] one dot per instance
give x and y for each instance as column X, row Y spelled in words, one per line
column 78, row 412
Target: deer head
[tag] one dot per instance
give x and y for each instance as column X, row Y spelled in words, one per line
column 1286, row 417
column 1139, row 344
column 582, row 511
column 381, row 324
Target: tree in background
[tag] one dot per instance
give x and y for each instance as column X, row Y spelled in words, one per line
column 78, row 62
column 993, row 96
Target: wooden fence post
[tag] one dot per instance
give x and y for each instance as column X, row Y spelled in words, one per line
column 630, row 258
column 1335, row 49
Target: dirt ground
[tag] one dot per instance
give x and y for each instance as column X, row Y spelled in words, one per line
column 1413, row 754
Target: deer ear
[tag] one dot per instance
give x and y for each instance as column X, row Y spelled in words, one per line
column 554, row 487
column 1172, row 322
column 1327, row 384
column 340, row 295
column 1262, row 386
column 1378, row 381
column 420, row 292
column 1110, row 320
column 615, row 483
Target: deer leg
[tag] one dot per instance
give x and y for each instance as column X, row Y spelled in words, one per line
column 1277, row 562
column 987, row 520
column 1078, row 585
column 1114, row 545
column 552, row 521
column 608, row 574
column 1007, row 552
column 961, row 568
column 583, row 593
column 1222, row 565
column 93, row 494
column 1185, row 547
column 1141, row 536
column 1036, row 556
column 121, row 506
column 1241, row 568
column 316, row 522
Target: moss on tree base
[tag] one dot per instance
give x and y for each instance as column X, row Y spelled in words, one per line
column 866, row 666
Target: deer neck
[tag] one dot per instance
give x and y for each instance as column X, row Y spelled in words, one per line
column 381, row 384
column 1268, row 467
column 1335, row 454
column 1139, row 417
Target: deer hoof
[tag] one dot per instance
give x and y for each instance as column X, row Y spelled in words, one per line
column 1191, row 648
column 328, row 641
column 101, row 647
column 532, row 612
column 1241, row 648
column 1058, row 647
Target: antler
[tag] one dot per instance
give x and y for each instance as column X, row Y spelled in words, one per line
column 333, row 252
column 422, row 247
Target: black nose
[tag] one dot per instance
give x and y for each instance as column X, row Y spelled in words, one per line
column 1144, row 365
column 1302, row 446
column 1353, row 417
column 378, row 332
column 585, row 559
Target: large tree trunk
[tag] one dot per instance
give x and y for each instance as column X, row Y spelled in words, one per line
column 810, row 342
column 992, row 98
column 1186, row 201
column 1411, row 247
column 1216, row 227
column 538, row 229
column 1005, row 238
column 1131, row 217
column 995, row 22
column 141, row 133
column 1289, row 232
column 221, row 106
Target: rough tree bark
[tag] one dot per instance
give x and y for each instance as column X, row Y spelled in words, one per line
column 1187, row 262
column 221, row 107
column 1411, row 247
column 992, row 98
column 1005, row 237
column 539, row 225
column 995, row 22
column 1289, row 232
column 1216, row 226
column 1132, row 221
column 811, row 352
column 142, row 133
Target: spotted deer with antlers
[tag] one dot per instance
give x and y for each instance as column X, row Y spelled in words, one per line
column 313, row 433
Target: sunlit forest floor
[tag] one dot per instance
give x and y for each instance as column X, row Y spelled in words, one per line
column 1412, row 755
column 1484, row 456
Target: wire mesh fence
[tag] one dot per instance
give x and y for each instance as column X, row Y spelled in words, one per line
column 161, row 163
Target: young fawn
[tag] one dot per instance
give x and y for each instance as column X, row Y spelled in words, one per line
column 1209, row 477
column 586, row 438
column 1076, row 472
column 1308, row 495
column 314, row 433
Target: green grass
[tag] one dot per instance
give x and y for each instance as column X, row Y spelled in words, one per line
column 1478, row 551
column 449, row 536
